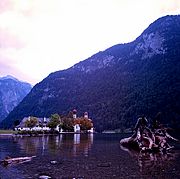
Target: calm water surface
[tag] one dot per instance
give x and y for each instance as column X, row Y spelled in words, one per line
column 84, row 156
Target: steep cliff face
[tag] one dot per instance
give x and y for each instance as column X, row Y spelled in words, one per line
column 118, row 84
column 12, row 91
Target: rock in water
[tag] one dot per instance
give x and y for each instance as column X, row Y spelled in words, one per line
column 53, row 162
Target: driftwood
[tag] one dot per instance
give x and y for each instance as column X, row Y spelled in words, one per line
column 156, row 142
column 9, row 160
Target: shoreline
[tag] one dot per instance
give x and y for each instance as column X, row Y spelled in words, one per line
column 36, row 135
column 10, row 134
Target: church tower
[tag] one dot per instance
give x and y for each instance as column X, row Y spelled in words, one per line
column 74, row 113
column 86, row 115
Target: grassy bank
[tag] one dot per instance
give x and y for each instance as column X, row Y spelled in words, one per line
column 7, row 132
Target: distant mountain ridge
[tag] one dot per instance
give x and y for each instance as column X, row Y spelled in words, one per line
column 8, row 77
column 116, row 85
column 12, row 91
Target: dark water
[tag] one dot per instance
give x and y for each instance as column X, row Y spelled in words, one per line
column 84, row 156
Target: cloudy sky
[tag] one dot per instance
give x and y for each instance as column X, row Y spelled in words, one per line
column 38, row 37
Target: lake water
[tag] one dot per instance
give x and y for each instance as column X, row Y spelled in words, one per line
column 82, row 156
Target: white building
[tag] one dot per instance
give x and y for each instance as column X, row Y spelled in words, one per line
column 77, row 128
column 40, row 126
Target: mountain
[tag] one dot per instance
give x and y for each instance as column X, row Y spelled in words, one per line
column 116, row 85
column 12, row 91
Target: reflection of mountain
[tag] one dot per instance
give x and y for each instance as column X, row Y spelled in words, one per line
column 64, row 144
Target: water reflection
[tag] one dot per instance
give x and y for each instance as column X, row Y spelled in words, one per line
column 28, row 144
column 105, row 158
column 63, row 144
column 152, row 162
column 82, row 144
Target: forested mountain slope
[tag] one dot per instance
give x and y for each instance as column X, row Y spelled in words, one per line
column 116, row 85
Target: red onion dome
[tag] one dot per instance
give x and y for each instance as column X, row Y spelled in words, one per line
column 86, row 113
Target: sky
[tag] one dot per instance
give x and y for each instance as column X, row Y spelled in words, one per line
column 38, row 37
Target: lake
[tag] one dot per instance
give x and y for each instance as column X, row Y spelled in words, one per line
column 81, row 156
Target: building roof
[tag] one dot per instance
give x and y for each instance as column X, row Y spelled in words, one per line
column 41, row 121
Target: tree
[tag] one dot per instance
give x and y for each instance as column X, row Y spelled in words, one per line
column 54, row 121
column 70, row 114
column 85, row 124
column 68, row 124
column 31, row 122
column 16, row 122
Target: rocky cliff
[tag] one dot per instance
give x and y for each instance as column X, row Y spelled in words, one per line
column 12, row 91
